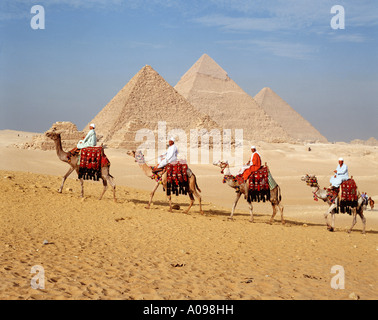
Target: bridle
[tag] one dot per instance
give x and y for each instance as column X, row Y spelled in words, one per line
column 313, row 182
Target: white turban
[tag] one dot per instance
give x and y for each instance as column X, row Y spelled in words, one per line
column 93, row 125
column 253, row 147
column 341, row 159
column 172, row 139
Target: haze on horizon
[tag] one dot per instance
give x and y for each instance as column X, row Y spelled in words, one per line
column 90, row 49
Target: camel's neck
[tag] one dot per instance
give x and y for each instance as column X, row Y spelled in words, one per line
column 320, row 193
column 146, row 169
column 62, row 155
column 229, row 178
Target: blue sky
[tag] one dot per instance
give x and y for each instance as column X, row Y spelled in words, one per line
column 90, row 49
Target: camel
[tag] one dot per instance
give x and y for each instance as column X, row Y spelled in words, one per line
column 74, row 166
column 319, row 193
column 275, row 194
column 192, row 182
column 371, row 203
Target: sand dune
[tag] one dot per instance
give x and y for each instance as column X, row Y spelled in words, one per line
column 93, row 249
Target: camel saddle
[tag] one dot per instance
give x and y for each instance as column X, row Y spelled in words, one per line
column 348, row 196
column 177, row 178
column 92, row 159
column 259, row 189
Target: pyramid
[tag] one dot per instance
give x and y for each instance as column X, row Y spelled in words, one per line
column 68, row 131
column 292, row 122
column 142, row 103
column 209, row 88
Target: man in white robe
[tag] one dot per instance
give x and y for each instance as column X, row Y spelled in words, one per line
column 90, row 139
column 170, row 156
column 341, row 174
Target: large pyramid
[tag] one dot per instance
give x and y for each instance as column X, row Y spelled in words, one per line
column 292, row 122
column 209, row 88
column 142, row 103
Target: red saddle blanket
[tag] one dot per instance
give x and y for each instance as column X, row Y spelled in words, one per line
column 258, row 180
column 349, row 191
column 259, row 189
column 92, row 159
column 177, row 178
column 348, row 196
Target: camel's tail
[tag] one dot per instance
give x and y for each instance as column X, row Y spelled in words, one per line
column 196, row 183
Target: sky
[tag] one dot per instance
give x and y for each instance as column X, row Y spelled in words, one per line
column 89, row 50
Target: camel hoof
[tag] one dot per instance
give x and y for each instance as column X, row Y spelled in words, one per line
column 148, row 207
column 330, row 229
column 201, row 212
column 230, row 218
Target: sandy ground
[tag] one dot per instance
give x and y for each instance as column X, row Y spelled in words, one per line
column 91, row 249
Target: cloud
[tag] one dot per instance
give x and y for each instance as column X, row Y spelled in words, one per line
column 285, row 49
column 287, row 15
column 135, row 44
column 238, row 23
column 350, row 37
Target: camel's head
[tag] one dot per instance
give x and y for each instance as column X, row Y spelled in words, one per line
column 131, row 153
column 52, row 135
column 221, row 164
column 138, row 155
column 310, row 180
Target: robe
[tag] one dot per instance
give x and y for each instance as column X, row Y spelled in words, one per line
column 169, row 157
column 90, row 140
column 255, row 164
column 340, row 176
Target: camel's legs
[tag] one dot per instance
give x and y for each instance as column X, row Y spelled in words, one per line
column 363, row 219
column 105, row 183
column 250, row 211
column 170, row 203
column 191, row 202
column 70, row 170
column 238, row 194
column 152, row 195
column 280, row 206
column 112, row 184
column 198, row 196
column 82, row 187
column 274, row 206
column 329, row 211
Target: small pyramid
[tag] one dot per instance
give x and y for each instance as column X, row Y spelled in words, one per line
column 292, row 122
column 69, row 134
column 209, row 88
column 144, row 101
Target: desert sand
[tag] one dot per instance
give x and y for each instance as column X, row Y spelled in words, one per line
column 91, row 249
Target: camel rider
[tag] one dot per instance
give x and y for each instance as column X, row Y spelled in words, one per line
column 341, row 174
column 253, row 164
column 168, row 157
column 90, row 139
